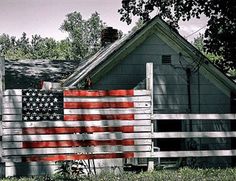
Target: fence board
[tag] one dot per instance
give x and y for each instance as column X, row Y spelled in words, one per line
column 11, row 111
column 108, row 99
column 43, row 124
column 64, row 143
column 105, row 93
column 79, row 150
column 215, row 134
column 136, row 117
column 197, row 153
column 97, row 105
column 63, row 157
column 193, row 116
column 73, row 130
column 95, row 136
column 108, row 111
column 203, row 153
column 13, row 92
column 12, row 117
column 12, row 105
column 7, row 99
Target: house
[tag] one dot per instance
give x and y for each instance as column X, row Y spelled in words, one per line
column 184, row 82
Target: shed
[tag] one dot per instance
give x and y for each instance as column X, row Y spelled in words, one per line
column 184, row 82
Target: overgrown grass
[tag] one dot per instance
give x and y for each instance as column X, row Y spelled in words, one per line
column 183, row 174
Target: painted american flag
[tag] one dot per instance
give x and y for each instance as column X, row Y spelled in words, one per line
column 80, row 124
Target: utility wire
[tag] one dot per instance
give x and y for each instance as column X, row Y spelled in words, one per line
column 196, row 31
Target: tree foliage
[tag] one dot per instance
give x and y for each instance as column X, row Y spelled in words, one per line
column 199, row 43
column 84, row 40
column 37, row 48
column 220, row 35
column 83, row 34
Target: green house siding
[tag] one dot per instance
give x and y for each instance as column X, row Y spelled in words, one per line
column 171, row 92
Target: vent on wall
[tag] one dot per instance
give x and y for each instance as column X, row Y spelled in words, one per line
column 166, row 59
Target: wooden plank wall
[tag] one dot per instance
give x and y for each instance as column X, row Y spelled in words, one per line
column 96, row 125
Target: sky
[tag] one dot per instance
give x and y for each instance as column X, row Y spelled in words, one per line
column 44, row 17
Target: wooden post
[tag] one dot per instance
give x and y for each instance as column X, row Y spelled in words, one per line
column 149, row 86
column 2, row 88
column 2, row 82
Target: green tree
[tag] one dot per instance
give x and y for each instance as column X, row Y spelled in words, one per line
column 83, row 34
column 44, row 48
column 199, row 43
column 5, row 44
column 220, row 36
column 23, row 43
column 64, row 49
column 35, row 46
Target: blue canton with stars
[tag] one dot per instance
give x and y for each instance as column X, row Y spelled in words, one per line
column 41, row 105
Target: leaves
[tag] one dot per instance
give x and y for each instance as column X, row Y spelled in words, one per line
column 220, row 36
column 83, row 34
column 83, row 41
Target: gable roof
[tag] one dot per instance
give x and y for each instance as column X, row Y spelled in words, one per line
column 107, row 57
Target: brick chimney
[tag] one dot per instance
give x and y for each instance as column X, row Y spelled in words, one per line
column 108, row 35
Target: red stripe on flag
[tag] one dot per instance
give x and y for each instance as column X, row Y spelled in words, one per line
column 100, row 93
column 91, row 129
column 79, row 157
column 95, row 105
column 94, row 117
column 53, row 144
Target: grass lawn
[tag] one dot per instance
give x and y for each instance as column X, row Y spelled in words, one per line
column 183, row 174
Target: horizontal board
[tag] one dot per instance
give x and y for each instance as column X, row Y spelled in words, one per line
column 108, row 99
column 7, row 99
column 203, row 153
column 17, row 105
column 88, row 117
column 70, row 130
column 18, row 92
column 175, row 154
column 96, row 105
column 215, row 134
column 12, row 118
column 193, row 116
column 75, row 157
column 13, row 92
column 69, row 143
column 108, row 111
column 103, row 93
column 71, row 150
column 43, row 124
column 94, row 117
column 59, row 137
column 11, row 111
column 98, row 93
